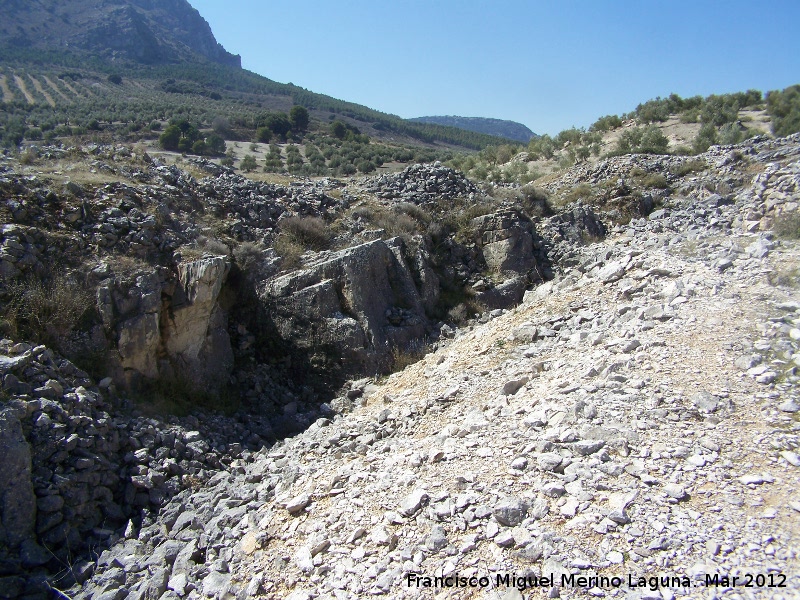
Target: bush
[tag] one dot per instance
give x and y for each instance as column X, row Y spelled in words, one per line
column 47, row 310
column 310, row 232
column 787, row 225
column 655, row 180
column 606, row 123
column 642, row 140
column 706, row 137
column 690, row 166
column 248, row 164
column 784, row 108
column 731, row 133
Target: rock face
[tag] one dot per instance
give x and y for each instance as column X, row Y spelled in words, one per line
column 507, row 241
column 194, row 324
column 145, row 31
column 17, row 502
column 353, row 308
column 511, row 250
column 167, row 326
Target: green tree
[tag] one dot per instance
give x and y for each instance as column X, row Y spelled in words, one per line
column 299, row 118
column 264, row 134
column 216, row 145
column 784, row 108
column 707, row 136
column 171, row 137
column 338, row 129
column 278, row 123
column 248, row 164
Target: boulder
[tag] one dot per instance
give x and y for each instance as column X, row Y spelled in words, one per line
column 354, row 307
column 507, row 240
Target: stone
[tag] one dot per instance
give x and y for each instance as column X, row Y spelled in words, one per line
column 512, row 387
column 673, row 490
column 705, row 402
column 549, row 461
column 510, row 512
column 588, row 447
column 297, row 504
column 342, row 303
column 413, row 502
column 437, row 539
column 17, row 499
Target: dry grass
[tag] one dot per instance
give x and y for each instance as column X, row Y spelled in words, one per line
column 46, row 310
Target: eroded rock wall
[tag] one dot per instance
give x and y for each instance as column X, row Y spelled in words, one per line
column 355, row 306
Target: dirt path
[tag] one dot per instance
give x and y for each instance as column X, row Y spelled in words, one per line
column 38, row 86
column 55, row 88
column 22, row 88
column 8, row 96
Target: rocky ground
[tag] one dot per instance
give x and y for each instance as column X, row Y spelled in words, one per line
column 635, row 417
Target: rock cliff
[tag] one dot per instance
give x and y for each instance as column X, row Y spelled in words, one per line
column 143, row 31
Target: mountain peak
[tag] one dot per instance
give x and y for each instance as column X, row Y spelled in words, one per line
column 143, row 31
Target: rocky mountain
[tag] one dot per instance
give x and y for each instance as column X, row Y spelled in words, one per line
column 510, row 130
column 143, row 31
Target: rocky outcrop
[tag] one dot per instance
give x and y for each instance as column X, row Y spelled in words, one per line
column 353, row 308
column 167, row 325
column 507, row 241
column 78, row 471
column 422, row 183
column 510, row 246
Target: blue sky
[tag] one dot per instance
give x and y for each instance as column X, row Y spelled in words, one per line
column 549, row 65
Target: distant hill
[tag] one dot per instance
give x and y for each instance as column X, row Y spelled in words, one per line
column 143, row 31
column 510, row 130
column 111, row 65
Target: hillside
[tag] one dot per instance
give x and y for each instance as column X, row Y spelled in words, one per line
column 620, row 367
column 124, row 68
column 257, row 343
column 143, row 31
column 496, row 127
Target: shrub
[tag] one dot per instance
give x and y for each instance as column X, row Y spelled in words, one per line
column 412, row 210
column 582, row 191
column 706, row 137
column 310, row 232
column 642, row 140
column 690, row 166
column 47, row 310
column 248, row 164
column 731, row 133
column 787, row 225
column 784, row 108
column 655, row 180
column 606, row 123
